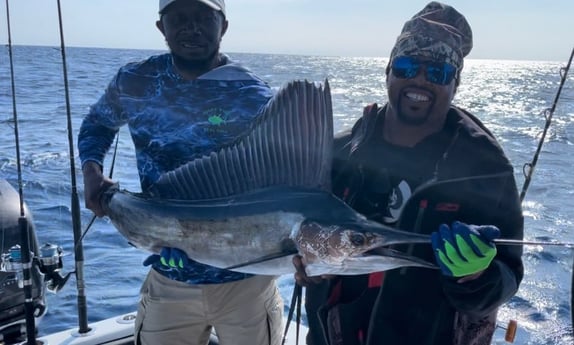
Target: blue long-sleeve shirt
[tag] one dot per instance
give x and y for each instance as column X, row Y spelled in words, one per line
column 173, row 121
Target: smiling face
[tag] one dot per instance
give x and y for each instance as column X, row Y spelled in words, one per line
column 418, row 102
column 192, row 30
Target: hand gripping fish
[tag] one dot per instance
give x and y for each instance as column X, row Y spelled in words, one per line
column 251, row 206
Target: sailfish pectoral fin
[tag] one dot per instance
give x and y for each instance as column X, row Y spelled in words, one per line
column 263, row 259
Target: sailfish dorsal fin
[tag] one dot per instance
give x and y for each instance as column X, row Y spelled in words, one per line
column 290, row 145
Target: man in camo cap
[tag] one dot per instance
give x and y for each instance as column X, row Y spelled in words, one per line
column 421, row 164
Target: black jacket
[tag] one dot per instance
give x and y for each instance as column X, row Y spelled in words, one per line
column 459, row 174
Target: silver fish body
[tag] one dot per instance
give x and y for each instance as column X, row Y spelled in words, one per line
column 260, row 232
column 254, row 204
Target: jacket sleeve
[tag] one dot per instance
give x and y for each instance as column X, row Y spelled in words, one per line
column 501, row 206
column 100, row 125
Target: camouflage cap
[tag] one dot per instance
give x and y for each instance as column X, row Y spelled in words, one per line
column 438, row 32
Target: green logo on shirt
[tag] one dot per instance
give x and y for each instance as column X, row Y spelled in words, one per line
column 216, row 120
column 216, row 116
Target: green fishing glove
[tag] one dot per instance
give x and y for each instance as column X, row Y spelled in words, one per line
column 173, row 257
column 462, row 250
column 170, row 257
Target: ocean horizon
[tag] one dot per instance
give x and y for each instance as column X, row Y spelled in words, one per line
column 158, row 51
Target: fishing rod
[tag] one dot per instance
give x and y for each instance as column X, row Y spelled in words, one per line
column 23, row 224
column 528, row 168
column 511, row 242
column 75, row 201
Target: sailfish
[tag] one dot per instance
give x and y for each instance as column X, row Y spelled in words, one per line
column 253, row 204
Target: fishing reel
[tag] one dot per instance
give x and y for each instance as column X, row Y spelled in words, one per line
column 12, row 263
column 49, row 263
column 13, row 296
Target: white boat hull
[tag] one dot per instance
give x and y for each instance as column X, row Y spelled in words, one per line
column 119, row 330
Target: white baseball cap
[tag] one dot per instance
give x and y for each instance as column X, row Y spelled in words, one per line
column 218, row 5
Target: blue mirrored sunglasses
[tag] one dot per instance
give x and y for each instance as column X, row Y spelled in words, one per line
column 407, row 67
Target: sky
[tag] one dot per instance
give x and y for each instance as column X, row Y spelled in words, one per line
column 539, row 30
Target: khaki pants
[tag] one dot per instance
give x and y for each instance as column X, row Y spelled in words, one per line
column 245, row 312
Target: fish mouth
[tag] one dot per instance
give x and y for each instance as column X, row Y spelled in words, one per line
column 378, row 260
column 398, row 255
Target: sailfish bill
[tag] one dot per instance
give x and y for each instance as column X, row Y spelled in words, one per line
column 252, row 205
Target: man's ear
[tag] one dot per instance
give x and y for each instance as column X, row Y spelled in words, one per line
column 159, row 26
column 224, row 27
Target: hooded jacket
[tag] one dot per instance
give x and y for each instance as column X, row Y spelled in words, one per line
column 460, row 173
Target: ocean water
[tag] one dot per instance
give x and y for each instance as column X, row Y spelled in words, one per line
column 509, row 97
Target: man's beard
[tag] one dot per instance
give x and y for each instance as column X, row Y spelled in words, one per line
column 412, row 120
column 194, row 65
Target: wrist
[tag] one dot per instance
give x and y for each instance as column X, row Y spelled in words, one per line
column 470, row 277
column 91, row 167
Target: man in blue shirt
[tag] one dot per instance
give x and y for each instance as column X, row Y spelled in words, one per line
column 180, row 106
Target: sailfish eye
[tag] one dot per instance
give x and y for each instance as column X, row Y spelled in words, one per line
column 357, row 239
